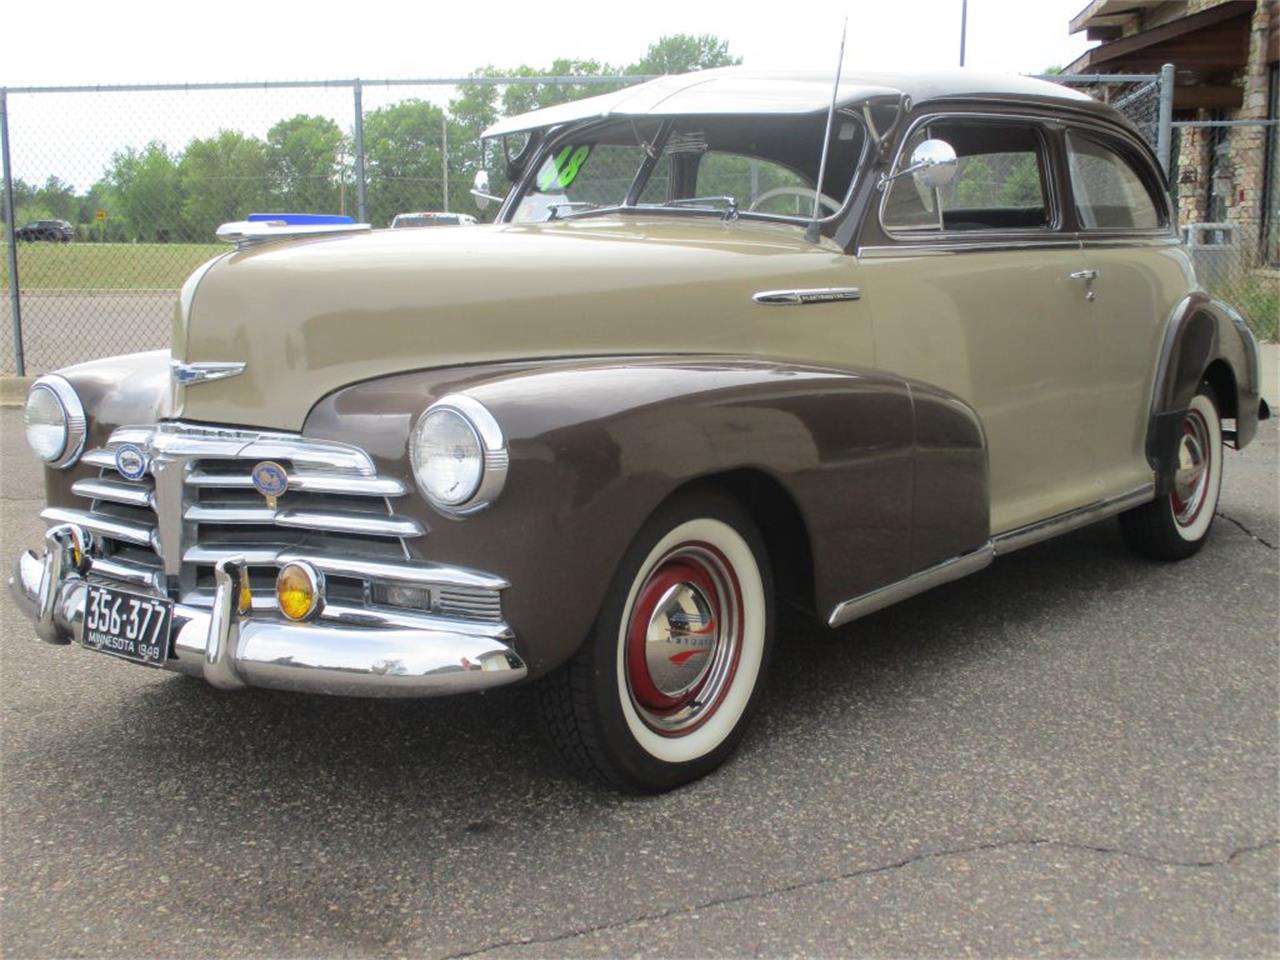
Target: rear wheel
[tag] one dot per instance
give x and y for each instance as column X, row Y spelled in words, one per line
column 661, row 691
column 1175, row 526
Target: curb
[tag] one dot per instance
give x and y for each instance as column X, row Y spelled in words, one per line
column 13, row 390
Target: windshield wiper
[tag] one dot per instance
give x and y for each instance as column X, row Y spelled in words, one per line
column 553, row 209
column 731, row 204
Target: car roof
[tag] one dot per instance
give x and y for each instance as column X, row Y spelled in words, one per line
column 738, row 90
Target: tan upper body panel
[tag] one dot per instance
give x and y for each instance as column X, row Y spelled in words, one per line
column 310, row 316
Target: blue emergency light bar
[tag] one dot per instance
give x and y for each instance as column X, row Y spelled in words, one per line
column 300, row 219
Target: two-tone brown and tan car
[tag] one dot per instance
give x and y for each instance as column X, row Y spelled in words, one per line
column 595, row 443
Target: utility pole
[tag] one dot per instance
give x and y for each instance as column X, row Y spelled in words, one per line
column 444, row 157
column 964, row 22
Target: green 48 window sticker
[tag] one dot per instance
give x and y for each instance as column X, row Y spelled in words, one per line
column 562, row 169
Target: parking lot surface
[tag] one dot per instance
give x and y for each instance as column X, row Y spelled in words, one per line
column 1072, row 752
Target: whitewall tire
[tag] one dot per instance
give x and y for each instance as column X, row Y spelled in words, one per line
column 662, row 690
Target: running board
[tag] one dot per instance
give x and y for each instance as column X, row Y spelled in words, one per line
column 968, row 563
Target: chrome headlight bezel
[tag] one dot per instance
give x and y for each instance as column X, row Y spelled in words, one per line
column 495, row 459
column 75, row 424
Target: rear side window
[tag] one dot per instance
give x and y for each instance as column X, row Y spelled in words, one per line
column 1000, row 181
column 1109, row 192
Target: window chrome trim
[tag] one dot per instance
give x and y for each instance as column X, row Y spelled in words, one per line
column 1161, row 202
column 1038, row 124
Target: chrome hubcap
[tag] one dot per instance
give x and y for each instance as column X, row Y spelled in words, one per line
column 683, row 639
column 680, row 639
column 1191, row 480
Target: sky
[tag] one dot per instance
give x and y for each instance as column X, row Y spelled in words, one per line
column 131, row 41
column 177, row 41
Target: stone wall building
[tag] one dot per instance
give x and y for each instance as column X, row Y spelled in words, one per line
column 1226, row 54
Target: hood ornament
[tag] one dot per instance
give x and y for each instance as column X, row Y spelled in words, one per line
column 271, row 480
column 202, row 371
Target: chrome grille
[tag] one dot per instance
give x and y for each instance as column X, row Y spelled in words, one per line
column 197, row 505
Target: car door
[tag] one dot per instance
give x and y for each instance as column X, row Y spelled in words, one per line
column 971, row 290
column 1134, row 271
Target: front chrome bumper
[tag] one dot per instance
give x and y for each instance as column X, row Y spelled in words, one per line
column 232, row 651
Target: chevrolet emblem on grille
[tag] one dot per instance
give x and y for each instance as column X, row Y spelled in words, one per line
column 271, row 480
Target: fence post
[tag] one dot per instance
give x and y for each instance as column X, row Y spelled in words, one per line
column 444, row 157
column 1164, row 122
column 11, row 237
column 361, row 214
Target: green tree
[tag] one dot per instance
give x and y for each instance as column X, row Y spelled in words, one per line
column 682, row 53
column 403, row 159
column 304, row 155
column 224, row 177
column 147, row 192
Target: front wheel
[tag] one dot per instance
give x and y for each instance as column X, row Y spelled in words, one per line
column 661, row 691
column 1175, row 526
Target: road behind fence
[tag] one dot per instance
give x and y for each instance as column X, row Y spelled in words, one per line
column 145, row 174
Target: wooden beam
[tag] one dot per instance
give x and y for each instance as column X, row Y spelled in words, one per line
column 1207, row 98
column 1104, row 33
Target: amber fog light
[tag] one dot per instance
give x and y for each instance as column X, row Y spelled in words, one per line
column 300, row 591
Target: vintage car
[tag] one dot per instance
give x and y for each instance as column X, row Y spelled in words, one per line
column 730, row 343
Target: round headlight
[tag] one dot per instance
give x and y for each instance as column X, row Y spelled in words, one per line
column 54, row 421
column 459, row 455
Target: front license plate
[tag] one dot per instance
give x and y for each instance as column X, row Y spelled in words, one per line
column 127, row 625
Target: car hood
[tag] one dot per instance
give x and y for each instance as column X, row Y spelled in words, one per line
column 309, row 316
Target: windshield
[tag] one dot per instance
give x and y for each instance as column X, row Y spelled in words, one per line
column 763, row 166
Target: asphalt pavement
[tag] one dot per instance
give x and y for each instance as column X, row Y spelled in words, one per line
column 1073, row 752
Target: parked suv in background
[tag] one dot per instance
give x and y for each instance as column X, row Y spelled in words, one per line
column 58, row 231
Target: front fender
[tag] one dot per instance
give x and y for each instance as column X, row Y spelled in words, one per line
column 596, row 446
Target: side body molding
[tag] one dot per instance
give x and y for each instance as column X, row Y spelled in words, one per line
column 886, row 477
column 1200, row 332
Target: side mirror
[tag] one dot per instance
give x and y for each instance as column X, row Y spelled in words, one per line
column 933, row 163
column 480, row 190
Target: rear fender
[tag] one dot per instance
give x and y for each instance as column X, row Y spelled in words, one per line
column 1200, row 332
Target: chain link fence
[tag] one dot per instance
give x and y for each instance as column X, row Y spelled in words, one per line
column 116, row 192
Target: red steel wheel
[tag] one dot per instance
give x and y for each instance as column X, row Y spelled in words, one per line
column 684, row 639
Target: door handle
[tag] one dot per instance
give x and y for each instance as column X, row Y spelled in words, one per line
column 1088, row 276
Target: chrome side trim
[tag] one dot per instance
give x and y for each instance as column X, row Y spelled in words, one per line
column 1062, row 523
column 135, row 533
column 934, row 576
column 207, row 371
column 815, row 295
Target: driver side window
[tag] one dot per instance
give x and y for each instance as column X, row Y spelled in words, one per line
column 756, row 184
column 1000, row 181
